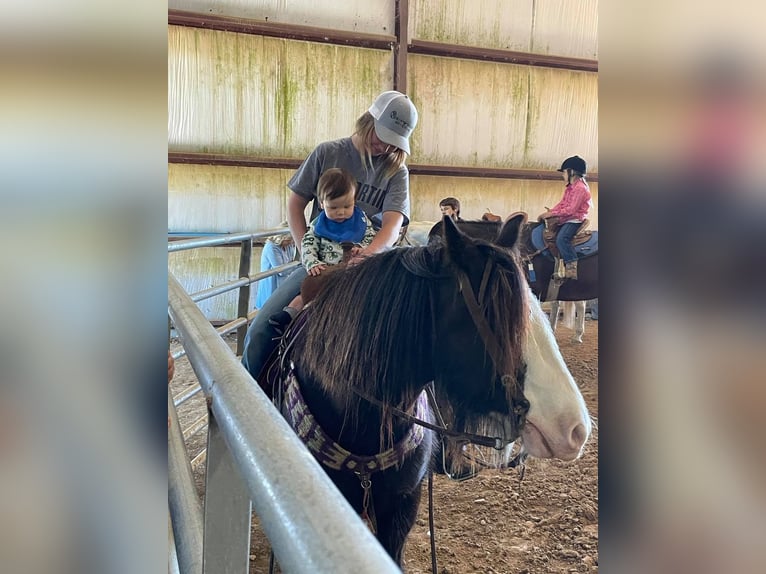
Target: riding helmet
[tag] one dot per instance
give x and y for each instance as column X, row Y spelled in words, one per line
column 575, row 163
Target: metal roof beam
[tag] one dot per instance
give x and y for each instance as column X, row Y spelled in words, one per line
column 415, row 169
column 279, row 30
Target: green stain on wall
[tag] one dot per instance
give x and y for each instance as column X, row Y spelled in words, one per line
column 286, row 104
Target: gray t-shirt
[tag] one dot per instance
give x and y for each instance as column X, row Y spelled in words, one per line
column 375, row 192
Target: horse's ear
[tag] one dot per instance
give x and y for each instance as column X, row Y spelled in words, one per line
column 454, row 240
column 509, row 234
column 436, row 231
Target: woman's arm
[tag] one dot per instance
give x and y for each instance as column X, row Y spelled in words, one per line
column 296, row 217
column 387, row 234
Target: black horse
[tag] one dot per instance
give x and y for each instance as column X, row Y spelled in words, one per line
column 583, row 288
column 354, row 366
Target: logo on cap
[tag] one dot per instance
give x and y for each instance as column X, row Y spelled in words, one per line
column 400, row 122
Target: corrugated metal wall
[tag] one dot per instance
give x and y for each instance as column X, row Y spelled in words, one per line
column 251, row 95
column 553, row 27
column 368, row 16
column 245, row 95
column 501, row 115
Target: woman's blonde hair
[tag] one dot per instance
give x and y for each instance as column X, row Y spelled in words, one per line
column 280, row 237
column 364, row 128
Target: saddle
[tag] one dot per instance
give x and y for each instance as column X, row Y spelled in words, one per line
column 543, row 235
column 551, row 230
column 544, row 241
column 489, row 216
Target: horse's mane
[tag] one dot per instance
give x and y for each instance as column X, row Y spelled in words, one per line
column 362, row 325
column 353, row 337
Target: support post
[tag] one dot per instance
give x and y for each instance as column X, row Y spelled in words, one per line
column 401, row 30
column 245, row 261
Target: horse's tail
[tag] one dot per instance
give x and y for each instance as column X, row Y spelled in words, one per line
column 569, row 314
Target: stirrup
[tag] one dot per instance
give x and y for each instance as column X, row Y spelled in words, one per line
column 559, row 270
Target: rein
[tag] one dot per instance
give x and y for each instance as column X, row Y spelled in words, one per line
column 482, row 440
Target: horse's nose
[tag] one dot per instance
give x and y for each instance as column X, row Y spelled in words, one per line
column 577, row 436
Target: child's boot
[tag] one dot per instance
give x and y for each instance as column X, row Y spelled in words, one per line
column 571, row 270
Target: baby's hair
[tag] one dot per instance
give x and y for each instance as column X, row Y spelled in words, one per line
column 335, row 183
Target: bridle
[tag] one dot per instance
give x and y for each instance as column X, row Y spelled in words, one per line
column 519, row 403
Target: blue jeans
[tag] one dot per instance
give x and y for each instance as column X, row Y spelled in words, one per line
column 259, row 341
column 564, row 241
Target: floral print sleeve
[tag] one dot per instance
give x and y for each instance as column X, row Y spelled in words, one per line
column 369, row 233
column 310, row 250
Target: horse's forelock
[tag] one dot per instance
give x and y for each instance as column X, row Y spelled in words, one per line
column 505, row 307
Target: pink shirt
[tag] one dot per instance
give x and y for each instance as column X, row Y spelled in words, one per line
column 575, row 204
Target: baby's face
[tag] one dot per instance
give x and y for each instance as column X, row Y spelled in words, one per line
column 340, row 208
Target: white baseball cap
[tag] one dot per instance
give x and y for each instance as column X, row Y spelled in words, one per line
column 395, row 118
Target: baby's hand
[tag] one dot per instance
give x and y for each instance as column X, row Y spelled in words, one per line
column 356, row 250
column 316, row 270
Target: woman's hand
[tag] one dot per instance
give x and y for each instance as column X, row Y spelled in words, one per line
column 316, row 270
column 359, row 256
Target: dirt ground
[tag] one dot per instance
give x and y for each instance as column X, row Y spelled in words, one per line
column 494, row 523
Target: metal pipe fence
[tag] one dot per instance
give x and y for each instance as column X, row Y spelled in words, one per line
column 252, row 456
column 241, row 282
column 223, row 239
column 185, row 508
column 310, row 525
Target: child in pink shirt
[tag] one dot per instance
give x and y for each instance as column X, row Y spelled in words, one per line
column 571, row 210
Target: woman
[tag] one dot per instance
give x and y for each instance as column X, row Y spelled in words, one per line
column 278, row 250
column 374, row 155
column 571, row 211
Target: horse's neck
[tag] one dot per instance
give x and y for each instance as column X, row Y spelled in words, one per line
column 352, row 421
